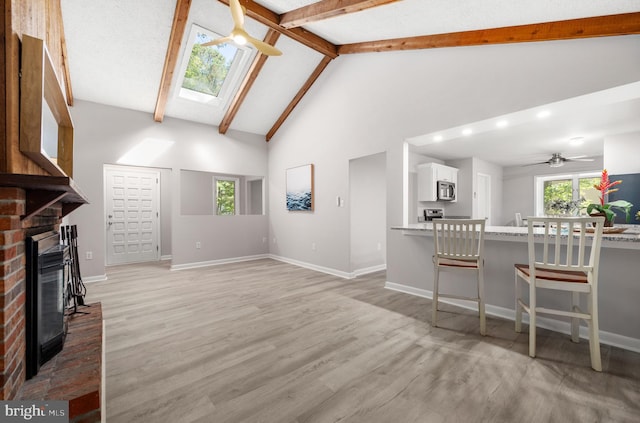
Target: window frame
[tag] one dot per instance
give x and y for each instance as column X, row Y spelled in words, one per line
column 231, row 81
column 575, row 186
column 236, row 196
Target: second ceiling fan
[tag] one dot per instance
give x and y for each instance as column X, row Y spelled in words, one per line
column 240, row 36
column 558, row 160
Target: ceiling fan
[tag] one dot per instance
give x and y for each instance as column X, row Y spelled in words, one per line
column 240, row 36
column 558, row 160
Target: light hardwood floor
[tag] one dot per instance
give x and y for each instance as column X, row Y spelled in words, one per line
column 265, row 341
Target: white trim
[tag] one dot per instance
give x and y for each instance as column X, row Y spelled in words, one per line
column 370, row 269
column 198, row 264
column 322, row 269
column 167, row 257
column 608, row 338
column 91, row 279
column 418, row 292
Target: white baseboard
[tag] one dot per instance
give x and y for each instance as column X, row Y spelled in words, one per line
column 217, row 262
column 608, row 338
column 167, row 257
column 91, row 279
column 322, row 269
column 370, row 269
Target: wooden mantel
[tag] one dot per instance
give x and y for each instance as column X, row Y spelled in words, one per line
column 43, row 191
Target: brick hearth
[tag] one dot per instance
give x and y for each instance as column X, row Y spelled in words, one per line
column 75, row 374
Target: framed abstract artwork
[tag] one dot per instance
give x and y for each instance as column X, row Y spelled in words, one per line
column 299, row 186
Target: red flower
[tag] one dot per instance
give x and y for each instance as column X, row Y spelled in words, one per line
column 604, row 186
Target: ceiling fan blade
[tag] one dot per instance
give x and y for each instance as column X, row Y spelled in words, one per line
column 535, row 164
column 264, row 48
column 237, row 13
column 217, row 41
column 576, row 159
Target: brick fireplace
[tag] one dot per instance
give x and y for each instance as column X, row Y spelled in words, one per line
column 13, row 231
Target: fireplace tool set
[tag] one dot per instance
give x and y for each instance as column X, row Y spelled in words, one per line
column 75, row 287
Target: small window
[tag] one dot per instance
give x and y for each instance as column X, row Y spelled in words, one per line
column 210, row 74
column 565, row 194
column 226, row 196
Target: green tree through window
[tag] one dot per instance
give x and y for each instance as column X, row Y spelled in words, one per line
column 225, row 197
column 208, row 66
column 559, row 194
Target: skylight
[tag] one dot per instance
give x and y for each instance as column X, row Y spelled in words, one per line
column 210, row 74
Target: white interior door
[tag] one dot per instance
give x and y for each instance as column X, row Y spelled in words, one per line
column 483, row 197
column 132, row 214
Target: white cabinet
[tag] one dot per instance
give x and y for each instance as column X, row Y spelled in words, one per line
column 428, row 176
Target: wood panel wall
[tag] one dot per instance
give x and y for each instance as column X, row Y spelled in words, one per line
column 40, row 19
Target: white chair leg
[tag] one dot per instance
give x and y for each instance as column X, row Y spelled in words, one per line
column 575, row 322
column 594, row 333
column 532, row 318
column 434, row 305
column 518, row 306
column 483, row 321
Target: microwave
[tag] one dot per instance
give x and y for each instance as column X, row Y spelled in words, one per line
column 446, row 191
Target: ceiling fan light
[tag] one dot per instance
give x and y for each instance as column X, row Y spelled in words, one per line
column 240, row 39
column 556, row 161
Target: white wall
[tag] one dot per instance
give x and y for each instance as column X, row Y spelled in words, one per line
column 368, row 202
column 622, row 153
column 103, row 134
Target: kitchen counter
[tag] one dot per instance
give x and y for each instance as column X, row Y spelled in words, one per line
column 629, row 239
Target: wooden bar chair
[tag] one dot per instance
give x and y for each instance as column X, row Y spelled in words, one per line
column 459, row 245
column 562, row 262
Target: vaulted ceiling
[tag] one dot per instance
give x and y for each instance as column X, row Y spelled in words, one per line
column 128, row 53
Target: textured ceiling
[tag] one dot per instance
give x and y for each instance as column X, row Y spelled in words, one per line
column 116, row 48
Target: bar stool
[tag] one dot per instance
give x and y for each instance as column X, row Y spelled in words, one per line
column 459, row 245
column 563, row 263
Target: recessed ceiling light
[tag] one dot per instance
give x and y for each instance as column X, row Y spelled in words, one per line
column 543, row 114
column 502, row 123
column 576, row 141
column 438, row 138
column 467, row 131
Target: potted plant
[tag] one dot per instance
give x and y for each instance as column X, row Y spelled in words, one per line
column 558, row 207
column 607, row 209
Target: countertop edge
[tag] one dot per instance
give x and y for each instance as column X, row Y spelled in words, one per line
column 626, row 240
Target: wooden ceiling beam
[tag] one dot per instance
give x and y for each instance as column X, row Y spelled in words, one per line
column 180, row 17
column 301, row 35
column 65, row 58
column 245, row 86
column 599, row 26
column 325, row 9
column 307, row 85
